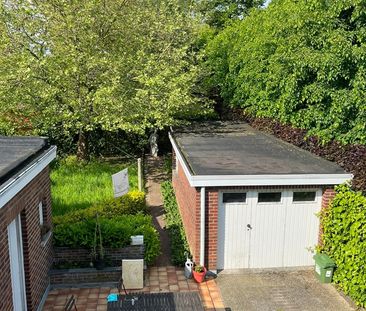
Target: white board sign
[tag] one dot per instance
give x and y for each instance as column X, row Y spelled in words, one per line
column 120, row 183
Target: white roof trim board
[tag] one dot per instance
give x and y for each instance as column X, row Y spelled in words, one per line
column 19, row 181
column 257, row 180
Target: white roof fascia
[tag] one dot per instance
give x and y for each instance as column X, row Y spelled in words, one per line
column 268, row 180
column 18, row 182
column 258, row 180
column 182, row 161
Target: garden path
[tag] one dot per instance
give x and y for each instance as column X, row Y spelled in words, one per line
column 154, row 176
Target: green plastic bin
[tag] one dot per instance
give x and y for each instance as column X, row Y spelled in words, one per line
column 324, row 267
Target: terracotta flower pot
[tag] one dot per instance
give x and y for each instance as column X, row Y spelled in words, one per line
column 199, row 276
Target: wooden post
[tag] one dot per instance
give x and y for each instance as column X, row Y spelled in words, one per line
column 139, row 173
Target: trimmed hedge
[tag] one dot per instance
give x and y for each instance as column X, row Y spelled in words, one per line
column 174, row 224
column 131, row 203
column 119, row 219
column 344, row 240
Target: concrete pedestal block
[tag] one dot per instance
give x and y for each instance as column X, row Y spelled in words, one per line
column 133, row 273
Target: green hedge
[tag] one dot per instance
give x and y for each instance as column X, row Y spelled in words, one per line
column 345, row 241
column 131, row 203
column 119, row 219
column 301, row 62
column 179, row 244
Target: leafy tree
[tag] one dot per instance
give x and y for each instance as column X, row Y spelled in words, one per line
column 76, row 66
column 299, row 62
column 218, row 12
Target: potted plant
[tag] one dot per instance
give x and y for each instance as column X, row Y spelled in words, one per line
column 199, row 273
column 97, row 253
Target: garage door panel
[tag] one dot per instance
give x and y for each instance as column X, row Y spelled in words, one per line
column 267, row 240
column 233, row 238
column 301, row 232
column 280, row 233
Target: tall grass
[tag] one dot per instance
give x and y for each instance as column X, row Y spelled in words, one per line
column 77, row 185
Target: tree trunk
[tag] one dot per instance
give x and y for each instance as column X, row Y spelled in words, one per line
column 153, row 140
column 82, row 146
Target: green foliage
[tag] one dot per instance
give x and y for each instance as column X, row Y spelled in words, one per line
column 345, row 241
column 77, row 185
column 179, row 244
column 218, row 13
column 72, row 67
column 115, row 231
column 131, row 203
column 301, row 62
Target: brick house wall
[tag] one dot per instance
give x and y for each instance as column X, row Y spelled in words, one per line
column 188, row 199
column 37, row 253
column 328, row 195
column 211, row 230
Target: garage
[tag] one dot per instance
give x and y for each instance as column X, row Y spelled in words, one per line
column 247, row 199
column 262, row 229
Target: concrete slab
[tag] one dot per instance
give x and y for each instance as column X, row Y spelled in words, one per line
column 279, row 291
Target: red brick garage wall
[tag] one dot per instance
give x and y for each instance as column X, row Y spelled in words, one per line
column 188, row 199
column 37, row 257
column 328, row 195
column 212, row 206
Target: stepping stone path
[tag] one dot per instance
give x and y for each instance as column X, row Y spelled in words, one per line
column 154, row 172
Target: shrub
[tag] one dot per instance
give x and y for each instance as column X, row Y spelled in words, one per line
column 131, row 203
column 116, row 233
column 344, row 239
column 179, row 244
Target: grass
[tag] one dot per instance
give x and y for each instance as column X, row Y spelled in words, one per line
column 77, row 185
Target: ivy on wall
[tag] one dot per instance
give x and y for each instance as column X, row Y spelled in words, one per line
column 344, row 238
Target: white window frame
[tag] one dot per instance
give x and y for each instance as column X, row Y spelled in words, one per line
column 316, row 200
column 282, row 191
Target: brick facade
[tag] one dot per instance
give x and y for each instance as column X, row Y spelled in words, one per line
column 66, row 255
column 188, row 199
column 328, row 195
column 37, row 252
column 212, row 208
column 77, row 277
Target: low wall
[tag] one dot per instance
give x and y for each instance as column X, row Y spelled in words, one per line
column 113, row 255
column 85, row 276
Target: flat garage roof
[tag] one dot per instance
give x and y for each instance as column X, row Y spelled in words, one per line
column 232, row 148
column 16, row 152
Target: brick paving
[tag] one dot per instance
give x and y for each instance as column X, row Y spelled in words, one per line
column 157, row 279
column 279, row 290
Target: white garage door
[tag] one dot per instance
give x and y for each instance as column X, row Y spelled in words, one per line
column 267, row 229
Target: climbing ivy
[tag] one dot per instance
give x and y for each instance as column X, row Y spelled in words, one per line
column 344, row 237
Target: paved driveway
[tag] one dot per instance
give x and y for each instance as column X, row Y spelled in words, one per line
column 279, row 291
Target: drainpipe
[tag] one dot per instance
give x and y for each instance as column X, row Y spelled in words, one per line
column 202, row 227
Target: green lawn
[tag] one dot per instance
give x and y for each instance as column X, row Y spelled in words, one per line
column 78, row 185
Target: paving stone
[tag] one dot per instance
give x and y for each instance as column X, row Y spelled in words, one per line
column 282, row 290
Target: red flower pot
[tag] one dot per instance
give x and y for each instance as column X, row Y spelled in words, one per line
column 199, row 276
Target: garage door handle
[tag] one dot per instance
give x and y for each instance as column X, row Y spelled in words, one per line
column 249, row 227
